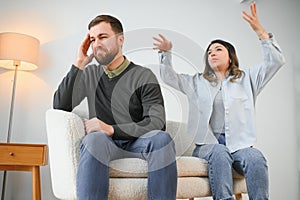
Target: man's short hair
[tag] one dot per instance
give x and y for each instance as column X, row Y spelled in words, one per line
column 115, row 24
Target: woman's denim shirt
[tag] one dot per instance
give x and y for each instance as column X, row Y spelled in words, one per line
column 239, row 97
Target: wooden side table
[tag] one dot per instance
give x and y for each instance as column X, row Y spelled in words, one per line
column 25, row 157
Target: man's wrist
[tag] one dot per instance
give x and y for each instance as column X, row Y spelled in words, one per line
column 79, row 64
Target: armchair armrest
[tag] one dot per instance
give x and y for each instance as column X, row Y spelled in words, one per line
column 65, row 131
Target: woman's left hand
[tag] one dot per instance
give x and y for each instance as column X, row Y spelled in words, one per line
column 253, row 20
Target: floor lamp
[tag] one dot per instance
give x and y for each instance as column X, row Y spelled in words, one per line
column 17, row 52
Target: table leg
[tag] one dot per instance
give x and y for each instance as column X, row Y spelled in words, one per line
column 36, row 187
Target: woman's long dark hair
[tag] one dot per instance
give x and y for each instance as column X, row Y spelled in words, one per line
column 233, row 68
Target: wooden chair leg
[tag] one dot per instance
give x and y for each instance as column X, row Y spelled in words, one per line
column 238, row 196
column 191, row 198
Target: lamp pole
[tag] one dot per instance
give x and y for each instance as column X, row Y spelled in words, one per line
column 16, row 64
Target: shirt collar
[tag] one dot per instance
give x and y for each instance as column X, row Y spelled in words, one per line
column 118, row 70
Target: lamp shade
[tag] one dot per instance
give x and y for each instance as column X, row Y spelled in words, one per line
column 18, row 50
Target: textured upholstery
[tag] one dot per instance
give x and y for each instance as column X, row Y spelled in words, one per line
column 128, row 176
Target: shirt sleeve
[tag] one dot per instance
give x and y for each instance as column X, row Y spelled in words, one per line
column 182, row 82
column 69, row 93
column 273, row 60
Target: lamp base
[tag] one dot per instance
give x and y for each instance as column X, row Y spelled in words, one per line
column 3, row 185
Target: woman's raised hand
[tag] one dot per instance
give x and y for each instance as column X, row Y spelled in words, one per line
column 253, row 20
column 162, row 43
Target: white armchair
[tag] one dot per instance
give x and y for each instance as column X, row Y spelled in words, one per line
column 128, row 176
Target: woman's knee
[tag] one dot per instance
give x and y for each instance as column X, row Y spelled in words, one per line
column 213, row 153
column 255, row 157
column 221, row 153
column 250, row 158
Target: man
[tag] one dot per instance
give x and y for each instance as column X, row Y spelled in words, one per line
column 126, row 114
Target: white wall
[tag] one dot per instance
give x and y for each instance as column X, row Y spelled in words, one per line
column 61, row 25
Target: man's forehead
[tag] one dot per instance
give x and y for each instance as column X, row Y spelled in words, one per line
column 103, row 28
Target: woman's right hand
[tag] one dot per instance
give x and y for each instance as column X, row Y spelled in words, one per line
column 162, row 43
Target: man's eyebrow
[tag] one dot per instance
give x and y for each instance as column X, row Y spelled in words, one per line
column 103, row 34
column 100, row 35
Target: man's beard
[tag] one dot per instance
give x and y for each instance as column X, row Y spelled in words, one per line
column 108, row 56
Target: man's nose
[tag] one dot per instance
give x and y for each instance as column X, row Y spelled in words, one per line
column 98, row 42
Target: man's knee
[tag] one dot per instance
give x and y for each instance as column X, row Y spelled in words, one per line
column 98, row 145
column 95, row 143
column 161, row 139
column 160, row 151
column 95, row 139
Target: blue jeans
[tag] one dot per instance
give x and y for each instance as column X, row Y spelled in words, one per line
column 97, row 150
column 248, row 161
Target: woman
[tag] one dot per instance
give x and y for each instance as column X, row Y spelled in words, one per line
column 222, row 99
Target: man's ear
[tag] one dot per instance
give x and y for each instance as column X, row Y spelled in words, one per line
column 121, row 39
